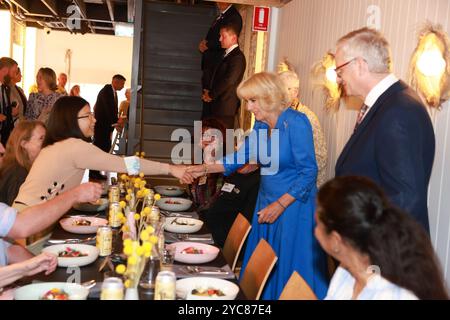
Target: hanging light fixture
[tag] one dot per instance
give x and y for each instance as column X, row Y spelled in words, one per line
column 430, row 66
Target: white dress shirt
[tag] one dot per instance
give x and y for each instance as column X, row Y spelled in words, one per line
column 377, row 288
column 227, row 52
column 377, row 91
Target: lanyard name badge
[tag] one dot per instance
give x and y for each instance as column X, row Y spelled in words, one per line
column 227, row 187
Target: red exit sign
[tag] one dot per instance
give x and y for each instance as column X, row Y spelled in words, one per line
column 261, row 18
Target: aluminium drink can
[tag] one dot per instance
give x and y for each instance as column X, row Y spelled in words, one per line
column 104, row 241
column 114, row 194
column 114, row 218
column 165, row 286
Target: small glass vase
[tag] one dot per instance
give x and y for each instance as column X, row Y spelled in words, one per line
column 151, row 269
column 131, row 294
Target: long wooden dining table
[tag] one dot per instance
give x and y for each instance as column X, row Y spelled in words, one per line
column 93, row 272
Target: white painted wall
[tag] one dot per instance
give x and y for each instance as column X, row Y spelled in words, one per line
column 308, row 29
column 95, row 59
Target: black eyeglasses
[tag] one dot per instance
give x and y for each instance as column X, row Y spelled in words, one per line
column 88, row 115
column 342, row 66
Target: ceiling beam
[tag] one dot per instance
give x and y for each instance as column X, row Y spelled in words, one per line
column 82, row 6
column 22, row 4
column 110, row 5
column 51, row 5
column 263, row 3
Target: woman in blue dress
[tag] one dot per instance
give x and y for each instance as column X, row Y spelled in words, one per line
column 282, row 144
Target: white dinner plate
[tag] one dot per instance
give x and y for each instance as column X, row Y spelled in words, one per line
column 90, row 251
column 185, row 289
column 170, row 191
column 74, row 224
column 182, row 225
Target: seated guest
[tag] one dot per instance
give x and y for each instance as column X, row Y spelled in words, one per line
column 205, row 190
column 44, row 262
column 36, row 218
column 40, row 104
column 67, row 153
column 241, row 199
column 383, row 253
column 75, row 91
column 24, row 145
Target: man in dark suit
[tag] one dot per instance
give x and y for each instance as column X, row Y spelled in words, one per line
column 221, row 95
column 210, row 47
column 106, row 111
column 393, row 142
column 8, row 70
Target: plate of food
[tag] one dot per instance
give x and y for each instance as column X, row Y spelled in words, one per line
column 73, row 255
column 82, row 225
column 170, row 191
column 99, row 205
column 52, row 291
column 194, row 252
column 182, row 225
column 205, row 288
column 174, row 204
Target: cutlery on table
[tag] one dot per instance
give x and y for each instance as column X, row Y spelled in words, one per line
column 186, row 237
column 204, row 270
column 63, row 241
column 89, row 284
column 174, row 214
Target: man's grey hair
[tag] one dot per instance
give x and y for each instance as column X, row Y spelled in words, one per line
column 370, row 45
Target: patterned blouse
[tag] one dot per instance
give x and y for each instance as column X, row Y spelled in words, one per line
column 320, row 145
column 37, row 102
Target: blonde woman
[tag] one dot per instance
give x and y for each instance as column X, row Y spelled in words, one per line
column 40, row 104
column 284, row 212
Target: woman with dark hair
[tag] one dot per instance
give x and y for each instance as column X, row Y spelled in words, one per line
column 23, row 147
column 40, row 104
column 383, row 253
column 67, row 154
column 212, row 142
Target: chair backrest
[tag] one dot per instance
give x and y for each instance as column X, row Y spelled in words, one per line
column 258, row 269
column 235, row 240
column 297, row 289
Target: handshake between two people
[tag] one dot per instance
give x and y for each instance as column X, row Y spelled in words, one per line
column 187, row 174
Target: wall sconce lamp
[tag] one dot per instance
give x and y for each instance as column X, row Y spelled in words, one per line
column 324, row 77
column 430, row 66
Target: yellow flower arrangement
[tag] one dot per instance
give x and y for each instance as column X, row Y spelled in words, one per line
column 138, row 252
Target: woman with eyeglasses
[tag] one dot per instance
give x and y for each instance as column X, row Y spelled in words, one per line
column 67, row 153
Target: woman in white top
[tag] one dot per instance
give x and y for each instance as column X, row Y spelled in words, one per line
column 383, row 253
column 67, row 153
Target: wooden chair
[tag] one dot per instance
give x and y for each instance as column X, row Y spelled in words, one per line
column 297, row 289
column 258, row 269
column 235, row 240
